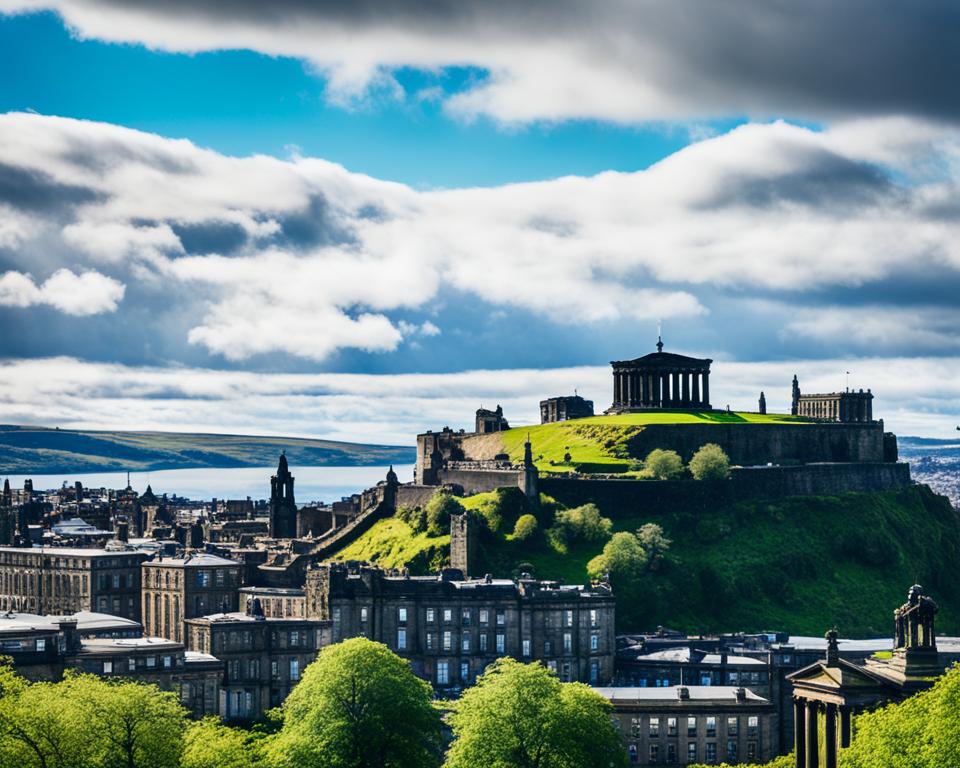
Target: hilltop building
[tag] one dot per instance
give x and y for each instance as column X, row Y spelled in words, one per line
column 847, row 407
column 564, row 408
column 283, row 508
column 491, row 421
column 660, row 380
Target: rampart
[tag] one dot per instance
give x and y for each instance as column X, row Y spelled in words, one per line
column 752, row 483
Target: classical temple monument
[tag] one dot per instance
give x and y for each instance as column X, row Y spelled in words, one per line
column 660, row 380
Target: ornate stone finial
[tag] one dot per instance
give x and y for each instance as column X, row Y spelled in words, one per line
column 659, row 344
column 527, row 453
column 833, row 648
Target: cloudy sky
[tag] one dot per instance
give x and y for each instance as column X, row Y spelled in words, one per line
column 359, row 220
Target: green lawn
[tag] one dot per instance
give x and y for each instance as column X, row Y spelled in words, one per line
column 600, row 441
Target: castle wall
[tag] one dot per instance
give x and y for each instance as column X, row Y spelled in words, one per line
column 412, row 495
column 751, row 444
column 481, row 480
column 755, row 483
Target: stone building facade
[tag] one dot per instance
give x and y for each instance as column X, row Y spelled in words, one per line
column 694, row 724
column 847, row 407
column 66, row 580
column 564, row 408
column 450, row 628
column 176, row 589
column 660, row 380
column 263, row 658
column 283, row 507
column 829, row 693
column 276, row 602
column 490, row 421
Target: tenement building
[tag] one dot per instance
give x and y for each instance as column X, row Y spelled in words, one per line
column 694, row 724
column 660, row 380
column 65, row 580
column 450, row 628
column 176, row 589
column 263, row 657
column 564, row 408
column 847, row 407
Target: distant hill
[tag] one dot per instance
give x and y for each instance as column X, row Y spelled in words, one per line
column 54, row 451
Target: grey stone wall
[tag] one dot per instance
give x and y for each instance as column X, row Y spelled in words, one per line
column 749, row 444
column 481, row 481
column 754, row 483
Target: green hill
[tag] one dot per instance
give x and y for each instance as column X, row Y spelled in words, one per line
column 799, row 564
column 42, row 450
column 601, row 443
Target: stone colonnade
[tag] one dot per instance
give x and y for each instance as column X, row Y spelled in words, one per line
column 659, row 387
column 843, row 407
column 806, row 729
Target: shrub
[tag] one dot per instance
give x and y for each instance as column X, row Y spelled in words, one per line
column 582, row 523
column 438, row 511
column 710, row 463
column 525, row 528
column 663, row 465
column 415, row 517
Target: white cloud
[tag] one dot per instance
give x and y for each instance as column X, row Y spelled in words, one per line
column 913, row 396
column 89, row 293
column 305, row 257
column 619, row 60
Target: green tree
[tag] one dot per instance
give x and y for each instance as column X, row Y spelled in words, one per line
column 710, row 463
column 210, row 744
column 583, row 523
column 525, row 528
column 623, row 559
column 39, row 728
column 521, row 716
column 438, row 511
column 663, row 464
column 358, row 706
column 135, row 725
column 920, row 732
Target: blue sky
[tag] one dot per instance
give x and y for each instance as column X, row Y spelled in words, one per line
column 452, row 190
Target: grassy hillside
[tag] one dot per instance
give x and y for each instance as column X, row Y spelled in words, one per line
column 801, row 564
column 600, row 442
column 41, row 450
column 392, row 544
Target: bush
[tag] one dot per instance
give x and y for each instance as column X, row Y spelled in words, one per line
column 438, row 510
column 415, row 517
column 525, row 528
column 710, row 463
column 582, row 523
column 663, row 465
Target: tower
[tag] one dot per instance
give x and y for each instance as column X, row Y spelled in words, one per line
column 283, row 509
column 7, row 520
column 795, row 400
column 763, row 403
column 530, row 475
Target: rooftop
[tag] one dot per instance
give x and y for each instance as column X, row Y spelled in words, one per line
column 87, row 621
column 200, row 560
column 719, row 693
column 70, row 551
column 682, row 656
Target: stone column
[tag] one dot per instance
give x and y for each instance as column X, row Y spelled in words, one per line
column 655, row 389
column 628, row 386
column 830, row 736
column 665, row 393
column 845, row 718
column 800, row 732
column 685, row 398
column 706, row 388
column 675, row 389
column 641, row 387
column 869, row 410
column 813, row 748
column 696, row 388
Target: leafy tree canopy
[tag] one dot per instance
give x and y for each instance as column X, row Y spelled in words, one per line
column 663, row 465
column 358, row 706
column 522, row 716
column 710, row 463
column 525, row 528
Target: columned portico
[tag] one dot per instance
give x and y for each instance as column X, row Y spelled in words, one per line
column 661, row 380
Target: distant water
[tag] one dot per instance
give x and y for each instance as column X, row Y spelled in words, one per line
column 311, row 483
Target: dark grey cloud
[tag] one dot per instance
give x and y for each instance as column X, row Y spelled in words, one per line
column 33, row 190
column 621, row 59
column 223, row 237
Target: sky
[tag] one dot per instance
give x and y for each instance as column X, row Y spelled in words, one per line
column 362, row 220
